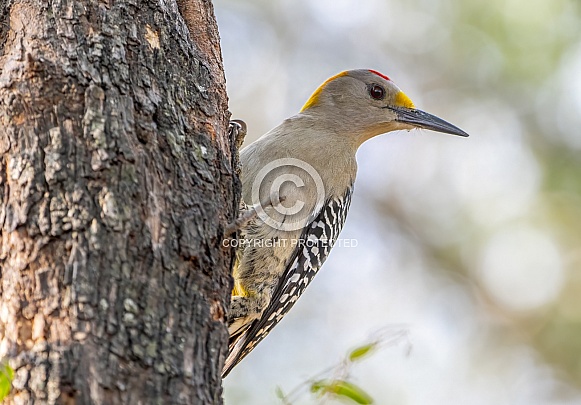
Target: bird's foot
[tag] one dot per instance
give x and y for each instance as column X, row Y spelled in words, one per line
column 247, row 215
column 238, row 130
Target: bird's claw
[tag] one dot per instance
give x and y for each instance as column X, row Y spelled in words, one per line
column 240, row 222
column 238, row 130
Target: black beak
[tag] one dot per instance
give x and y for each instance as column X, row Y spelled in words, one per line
column 421, row 119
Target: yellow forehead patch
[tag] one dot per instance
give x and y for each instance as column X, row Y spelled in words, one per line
column 401, row 100
column 314, row 99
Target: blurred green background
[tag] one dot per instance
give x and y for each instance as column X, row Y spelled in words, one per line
column 474, row 244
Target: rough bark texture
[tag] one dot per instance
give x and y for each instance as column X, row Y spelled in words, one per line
column 115, row 185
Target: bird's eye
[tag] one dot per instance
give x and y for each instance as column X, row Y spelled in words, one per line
column 377, row 92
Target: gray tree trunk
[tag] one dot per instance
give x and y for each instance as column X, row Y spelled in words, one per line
column 116, row 183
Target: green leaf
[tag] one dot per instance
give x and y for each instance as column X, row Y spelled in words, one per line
column 279, row 394
column 352, row 391
column 6, row 377
column 362, row 351
column 342, row 388
column 317, row 386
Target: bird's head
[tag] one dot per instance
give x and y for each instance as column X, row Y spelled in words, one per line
column 365, row 103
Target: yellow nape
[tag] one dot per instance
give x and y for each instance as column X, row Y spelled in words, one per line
column 314, row 99
column 402, row 100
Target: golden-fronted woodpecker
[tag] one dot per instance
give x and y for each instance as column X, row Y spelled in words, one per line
column 298, row 178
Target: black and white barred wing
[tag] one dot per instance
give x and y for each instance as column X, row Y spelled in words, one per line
column 315, row 244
